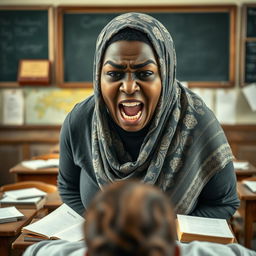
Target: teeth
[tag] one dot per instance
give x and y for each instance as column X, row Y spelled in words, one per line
column 130, row 104
column 131, row 117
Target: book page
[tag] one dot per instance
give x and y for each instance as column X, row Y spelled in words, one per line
column 10, row 212
column 62, row 218
column 76, row 231
column 37, row 164
column 204, row 226
column 25, row 193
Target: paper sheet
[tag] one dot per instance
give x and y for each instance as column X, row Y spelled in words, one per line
column 241, row 165
column 13, row 107
column 250, row 95
column 206, row 95
column 226, row 106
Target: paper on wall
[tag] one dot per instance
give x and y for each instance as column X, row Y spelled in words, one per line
column 250, row 95
column 13, row 107
column 206, row 95
column 226, row 106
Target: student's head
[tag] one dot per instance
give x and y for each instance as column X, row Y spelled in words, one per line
column 134, row 70
column 129, row 218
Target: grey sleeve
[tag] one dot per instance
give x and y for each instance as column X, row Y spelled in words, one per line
column 56, row 248
column 69, row 173
column 197, row 248
column 219, row 199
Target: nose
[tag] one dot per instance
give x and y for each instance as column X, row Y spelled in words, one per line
column 129, row 84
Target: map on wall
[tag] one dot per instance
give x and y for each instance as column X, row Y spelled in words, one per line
column 50, row 106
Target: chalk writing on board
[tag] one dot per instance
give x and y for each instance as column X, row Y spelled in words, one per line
column 250, row 62
column 201, row 41
column 251, row 22
column 23, row 35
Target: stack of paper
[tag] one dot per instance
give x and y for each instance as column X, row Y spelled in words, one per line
column 24, row 198
column 37, row 164
column 10, row 214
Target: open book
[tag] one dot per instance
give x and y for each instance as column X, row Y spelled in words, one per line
column 10, row 214
column 25, row 193
column 250, row 184
column 63, row 223
column 37, row 164
column 190, row 228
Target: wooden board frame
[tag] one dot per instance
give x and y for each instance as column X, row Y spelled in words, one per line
column 243, row 40
column 231, row 9
column 51, row 37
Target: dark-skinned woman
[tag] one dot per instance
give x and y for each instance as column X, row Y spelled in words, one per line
column 141, row 123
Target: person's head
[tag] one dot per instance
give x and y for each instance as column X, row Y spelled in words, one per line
column 130, row 79
column 129, row 218
column 135, row 70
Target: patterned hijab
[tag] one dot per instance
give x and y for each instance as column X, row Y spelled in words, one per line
column 185, row 145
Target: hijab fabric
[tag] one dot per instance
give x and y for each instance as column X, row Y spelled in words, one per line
column 185, row 145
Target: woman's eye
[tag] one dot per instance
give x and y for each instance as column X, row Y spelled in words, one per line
column 115, row 75
column 144, row 74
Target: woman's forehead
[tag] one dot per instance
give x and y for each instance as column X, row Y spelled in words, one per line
column 129, row 50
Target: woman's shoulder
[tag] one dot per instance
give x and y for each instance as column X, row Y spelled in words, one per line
column 82, row 111
column 80, row 116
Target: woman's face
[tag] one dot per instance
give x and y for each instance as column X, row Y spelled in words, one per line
column 130, row 83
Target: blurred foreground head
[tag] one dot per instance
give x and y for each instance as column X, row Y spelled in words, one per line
column 129, row 218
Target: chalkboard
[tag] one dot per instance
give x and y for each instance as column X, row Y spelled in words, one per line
column 202, row 40
column 23, row 35
column 250, row 63
column 248, row 45
column 251, row 22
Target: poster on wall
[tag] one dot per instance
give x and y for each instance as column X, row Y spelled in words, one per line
column 13, row 107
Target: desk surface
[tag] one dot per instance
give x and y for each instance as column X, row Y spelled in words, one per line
column 53, row 201
column 251, row 170
column 245, row 193
column 18, row 169
column 14, row 228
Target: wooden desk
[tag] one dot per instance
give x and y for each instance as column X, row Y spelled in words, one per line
column 53, row 201
column 48, row 175
column 242, row 174
column 9, row 231
column 247, row 211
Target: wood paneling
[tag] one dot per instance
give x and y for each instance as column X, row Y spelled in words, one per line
column 22, row 142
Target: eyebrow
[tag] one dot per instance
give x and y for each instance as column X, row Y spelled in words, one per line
column 118, row 66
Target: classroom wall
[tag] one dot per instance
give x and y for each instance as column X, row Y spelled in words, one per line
column 243, row 112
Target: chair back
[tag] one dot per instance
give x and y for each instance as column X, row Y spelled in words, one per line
column 48, row 188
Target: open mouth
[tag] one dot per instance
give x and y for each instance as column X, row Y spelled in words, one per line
column 131, row 111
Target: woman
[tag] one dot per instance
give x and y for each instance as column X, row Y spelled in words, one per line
column 142, row 123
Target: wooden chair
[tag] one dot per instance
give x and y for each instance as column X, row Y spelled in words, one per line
column 46, row 156
column 48, row 188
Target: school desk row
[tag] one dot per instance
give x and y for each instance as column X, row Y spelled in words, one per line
column 12, row 241
column 49, row 175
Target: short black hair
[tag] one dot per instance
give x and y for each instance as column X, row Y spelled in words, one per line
column 130, row 34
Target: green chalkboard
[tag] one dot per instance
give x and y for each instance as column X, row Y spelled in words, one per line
column 23, row 35
column 202, row 42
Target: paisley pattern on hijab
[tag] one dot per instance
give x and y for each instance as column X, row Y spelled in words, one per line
column 185, row 145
